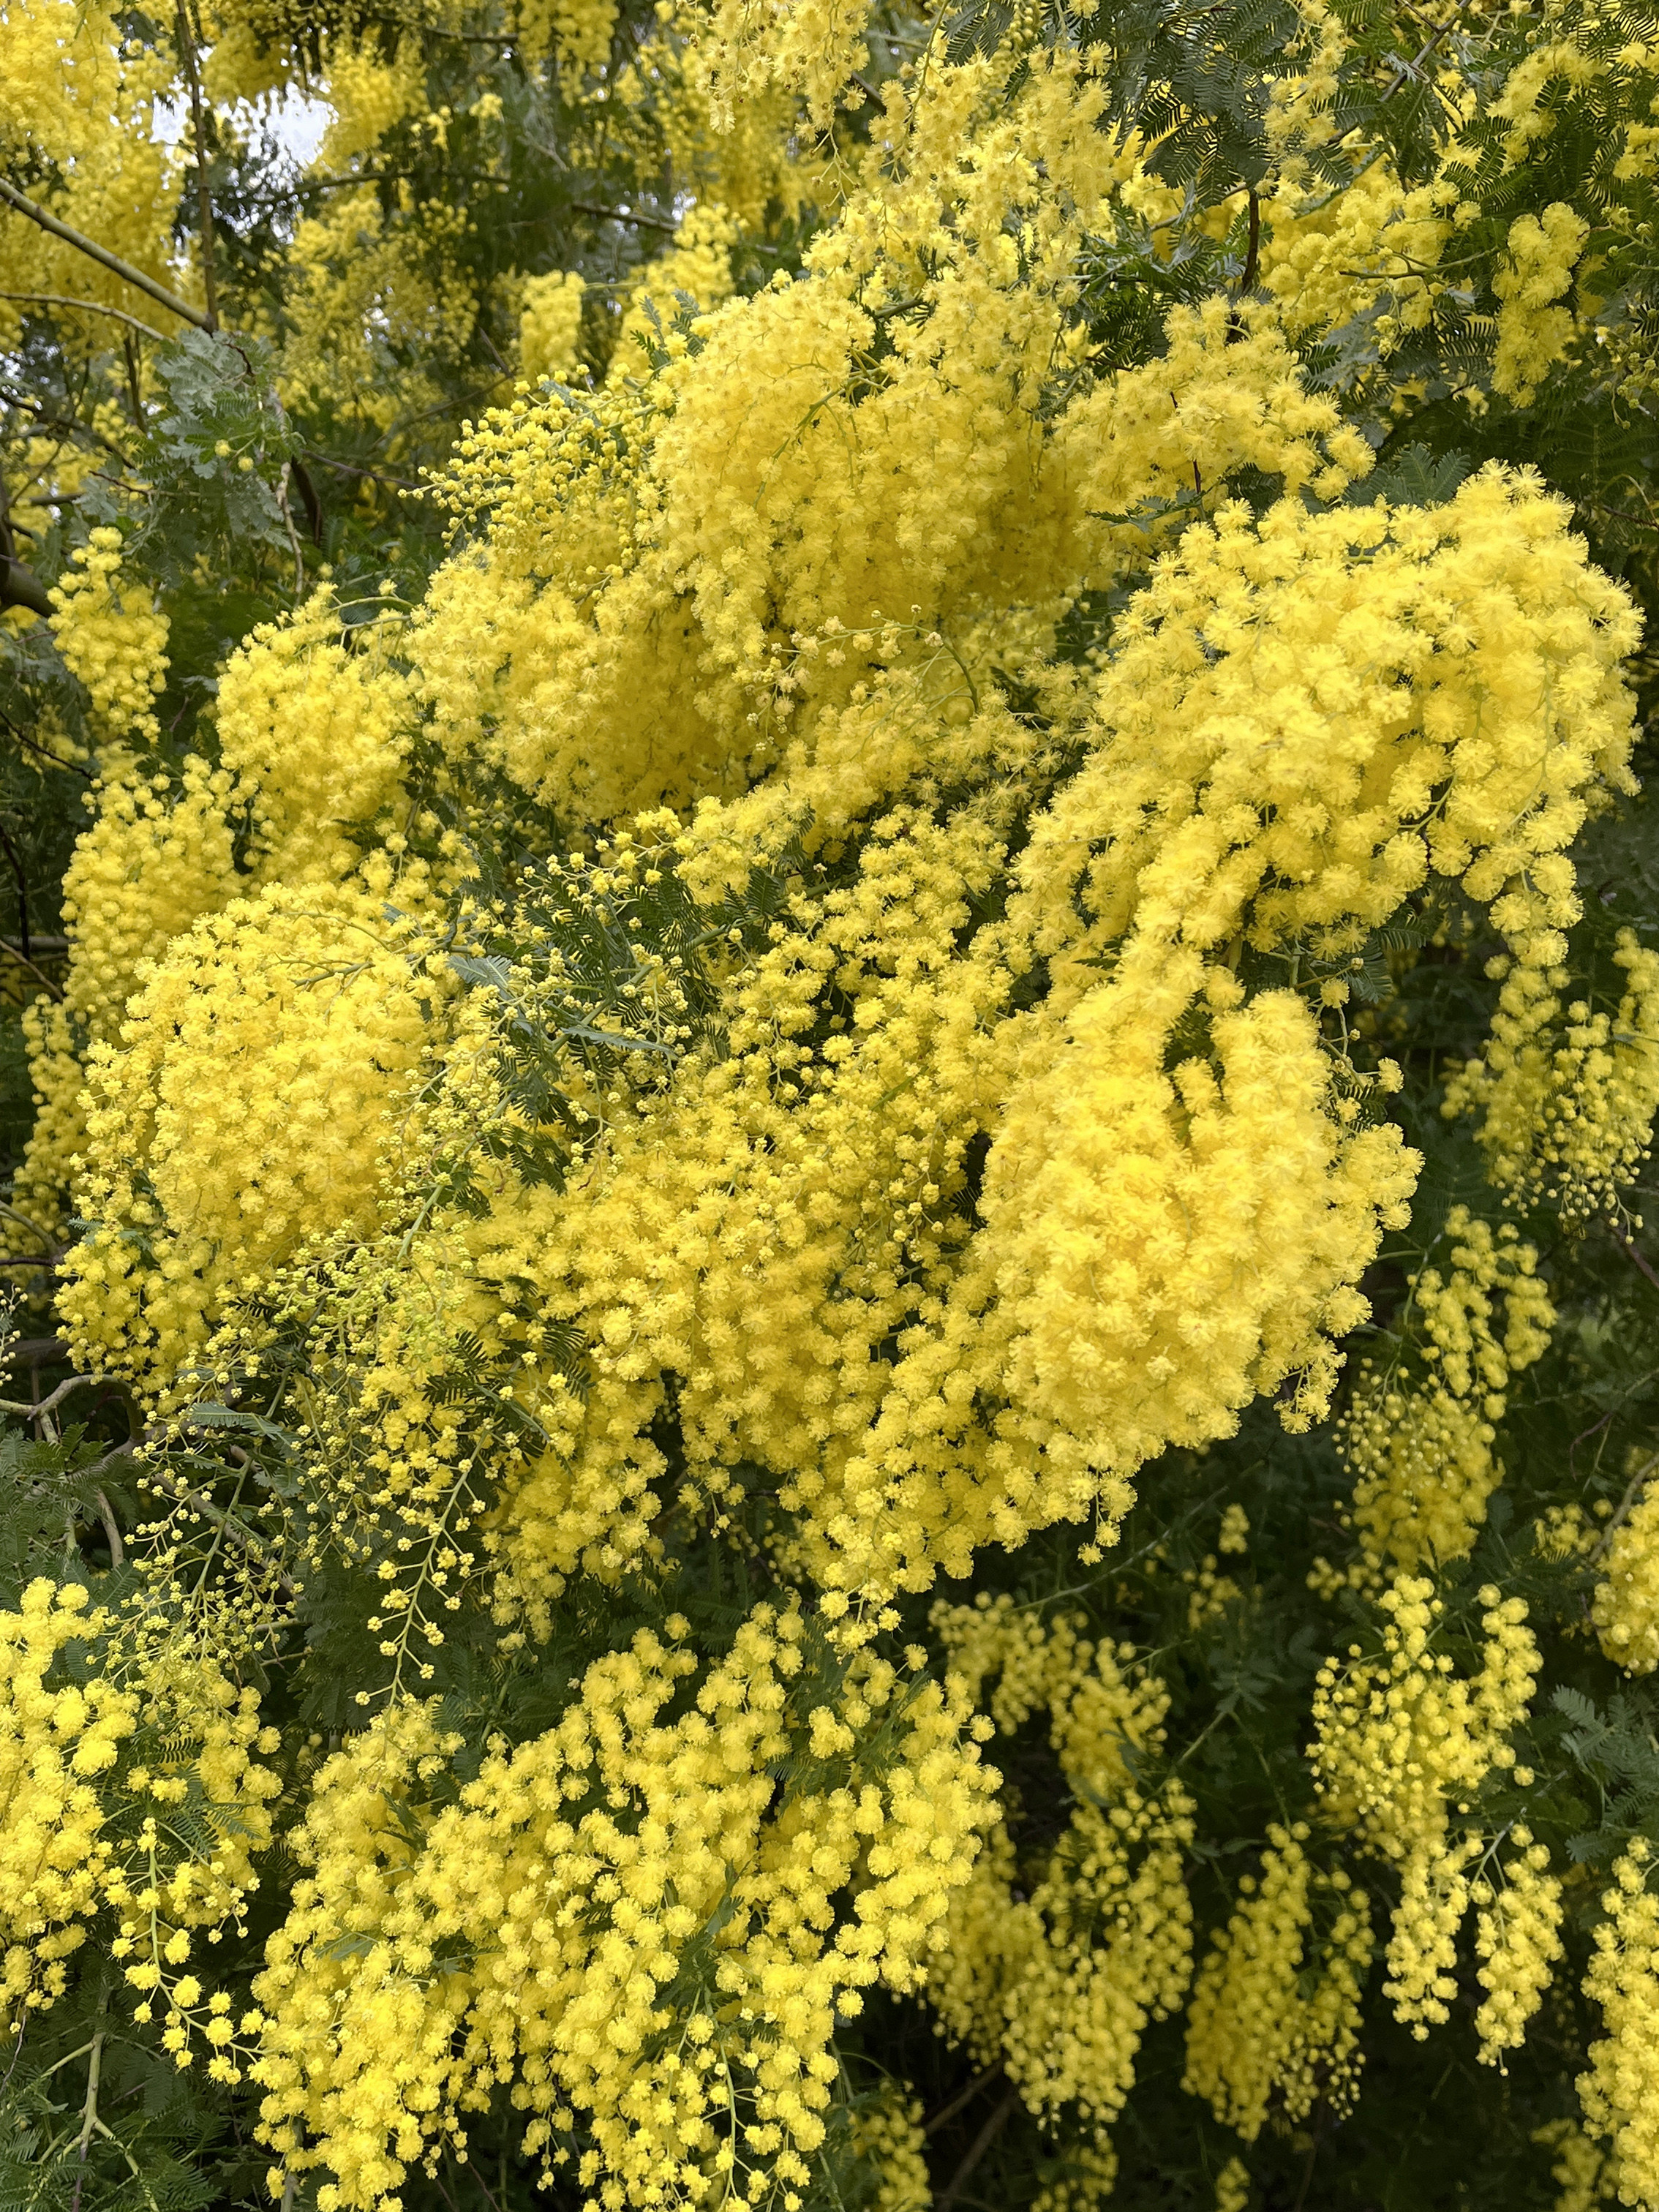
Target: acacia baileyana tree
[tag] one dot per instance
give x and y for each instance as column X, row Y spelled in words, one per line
column 833, row 1018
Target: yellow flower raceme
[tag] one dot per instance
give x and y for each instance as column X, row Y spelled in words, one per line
column 1567, row 1093
column 1058, row 1987
column 89, row 1772
column 1255, row 2027
column 1617, row 2088
column 624, row 1875
column 1421, row 1451
column 1403, row 1742
column 1626, row 1604
column 115, row 642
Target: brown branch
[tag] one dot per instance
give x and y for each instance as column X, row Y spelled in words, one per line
column 34, row 1352
column 103, row 257
column 48, row 1405
column 1248, row 280
column 616, row 215
column 46, row 752
column 308, row 499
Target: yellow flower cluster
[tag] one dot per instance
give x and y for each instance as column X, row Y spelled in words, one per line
column 1586, row 2174
column 1567, row 1093
column 618, row 1919
column 1534, row 333
column 549, row 327
column 254, row 1101
column 1626, row 1603
column 1266, row 2017
column 115, row 644
column 1517, row 1939
column 91, row 1774
column 78, row 108
column 887, row 2131
column 998, row 1117
column 1617, row 2090
column 1420, row 1450
column 695, row 273
column 1232, row 2187
column 157, row 856
column 1402, row 1743
column 1058, row 1984
column 1086, row 2179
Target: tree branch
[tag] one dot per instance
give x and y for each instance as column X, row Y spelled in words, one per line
column 52, row 990
column 103, row 257
column 88, row 307
column 204, row 192
column 21, row 587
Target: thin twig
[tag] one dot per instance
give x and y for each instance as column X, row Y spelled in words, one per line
column 101, row 254
column 52, row 990
column 977, row 2151
column 293, row 534
column 46, row 752
column 946, row 2113
column 181, row 1494
column 87, row 307
column 616, row 215
column 135, row 391
column 1630, row 1252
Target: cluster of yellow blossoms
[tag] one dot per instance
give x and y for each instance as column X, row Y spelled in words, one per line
column 1403, row 1744
column 1567, row 1094
column 1626, row 1604
column 131, row 1792
column 1265, row 2016
column 622, row 1918
column 1624, row 1979
column 1059, row 1984
column 1421, row 1450
column 929, row 1083
column 116, row 646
